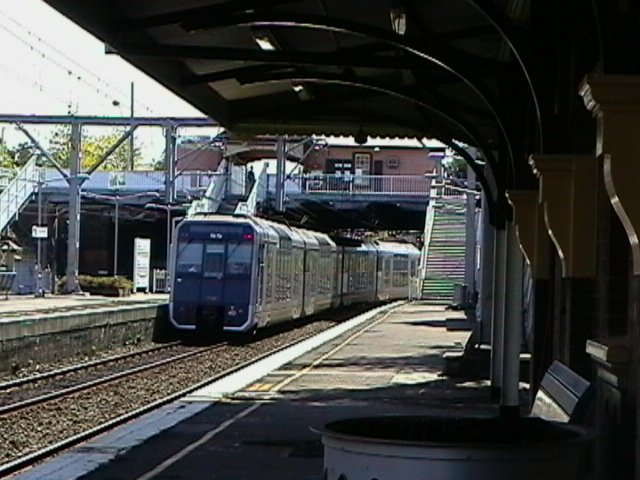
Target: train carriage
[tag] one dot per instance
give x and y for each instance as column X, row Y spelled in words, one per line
column 281, row 268
column 359, row 274
column 324, row 271
column 239, row 274
column 212, row 283
column 397, row 270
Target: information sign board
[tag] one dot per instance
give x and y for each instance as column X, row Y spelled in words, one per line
column 142, row 264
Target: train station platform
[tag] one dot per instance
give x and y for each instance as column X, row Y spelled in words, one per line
column 258, row 422
column 53, row 328
column 29, row 306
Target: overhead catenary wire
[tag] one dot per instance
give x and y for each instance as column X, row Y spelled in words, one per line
column 91, row 80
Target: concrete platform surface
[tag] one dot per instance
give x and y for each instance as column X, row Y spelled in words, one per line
column 262, row 427
column 18, row 305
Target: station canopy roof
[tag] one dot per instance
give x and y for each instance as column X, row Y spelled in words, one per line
column 380, row 68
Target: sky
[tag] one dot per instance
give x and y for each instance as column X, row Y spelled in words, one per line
column 50, row 65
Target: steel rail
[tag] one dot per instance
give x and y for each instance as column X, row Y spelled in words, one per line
column 14, row 407
column 82, row 366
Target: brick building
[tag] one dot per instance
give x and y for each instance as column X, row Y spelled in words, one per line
column 376, row 157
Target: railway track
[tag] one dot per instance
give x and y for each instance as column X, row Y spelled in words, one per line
column 25, row 393
column 31, row 428
column 59, row 372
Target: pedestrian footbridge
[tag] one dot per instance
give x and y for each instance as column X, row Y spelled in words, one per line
column 322, row 201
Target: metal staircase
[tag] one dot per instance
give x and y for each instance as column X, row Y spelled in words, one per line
column 15, row 196
column 257, row 195
column 444, row 263
column 213, row 195
column 218, row 199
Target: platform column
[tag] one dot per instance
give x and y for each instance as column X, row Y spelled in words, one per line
column 534, row 242
column 470, row 237
column 615, row 102
column 485, row 282
column 510, row 392
column 568, row 191
column 498, row 313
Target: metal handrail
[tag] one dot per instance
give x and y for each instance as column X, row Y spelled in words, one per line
column 258, row 193
column 213, row 195
column 356, row 184
column 18, row 192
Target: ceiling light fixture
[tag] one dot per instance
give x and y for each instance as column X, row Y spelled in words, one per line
column 301, row 91
column 264, row 39
column 264, row 43
column 398, row 17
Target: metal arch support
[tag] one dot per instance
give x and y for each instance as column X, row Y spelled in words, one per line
column 492, row 207
column 270, row 19
column 191, row 14
column 506, row 30
column 384, row 89
column 341, row 25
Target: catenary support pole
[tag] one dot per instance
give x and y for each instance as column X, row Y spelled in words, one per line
column 73, row 237
column 169, row 163
column 116, row 233
column 280, row 168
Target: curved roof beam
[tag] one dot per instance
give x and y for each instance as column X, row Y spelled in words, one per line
column 245, row 74
column 271, row 19
column 441, row 136
column 297, row 77
column 505, row 27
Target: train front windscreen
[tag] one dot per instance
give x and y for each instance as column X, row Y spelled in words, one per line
column 212, row 283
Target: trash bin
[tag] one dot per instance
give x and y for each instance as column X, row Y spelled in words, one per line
column 453, row 448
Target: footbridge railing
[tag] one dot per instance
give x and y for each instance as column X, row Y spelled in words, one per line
column 258, row 194
column 18, row 192
column 414, row 185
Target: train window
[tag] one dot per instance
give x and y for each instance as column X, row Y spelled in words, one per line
column 213, row 265
column 189, row 258
column 239, row 258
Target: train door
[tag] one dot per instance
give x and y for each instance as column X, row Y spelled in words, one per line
column 186, row 283
column 261, row 280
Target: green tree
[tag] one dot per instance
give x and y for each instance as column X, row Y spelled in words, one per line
column 93, row 147
column 457, row 167
column 7, row 156
column 17, row 156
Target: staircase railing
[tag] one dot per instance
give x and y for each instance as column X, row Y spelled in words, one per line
column 17, row 193
column 213, row 195
column 428, row 228
column 426, row 238
column 258, row 194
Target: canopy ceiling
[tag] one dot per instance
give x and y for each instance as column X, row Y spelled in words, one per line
column 470, row 71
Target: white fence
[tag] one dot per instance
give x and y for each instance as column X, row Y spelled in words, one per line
column 356, row 184
column 160, row 281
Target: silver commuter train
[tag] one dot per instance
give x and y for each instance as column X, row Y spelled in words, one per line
column 239, row 274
